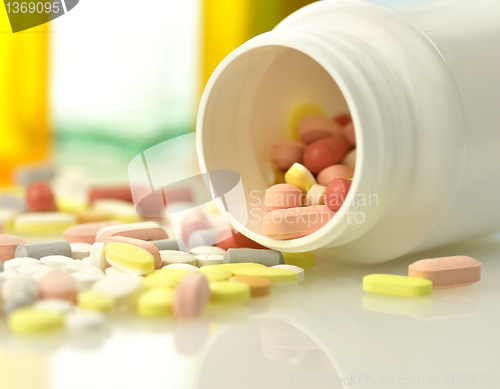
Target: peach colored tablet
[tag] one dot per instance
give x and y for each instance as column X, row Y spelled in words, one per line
column 447, row 272
column 143, row 231
column 334, row 171
column 314, row 128
column 296, row 222
column 258, row 286
column 8, row 245
column 282, row 196
column 285, row 153
column 58, row 285
column 348, row 134
column 86, row 233
column 191, row 296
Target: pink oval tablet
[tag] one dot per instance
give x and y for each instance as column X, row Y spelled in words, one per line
column 348, row 134
column 343, row 119
column 87, row 232
column 111, row 192
column 325, row 152
column 40, row 198
column 8, row 245
column 226, row 240
column 296, row 222
column 142, row 231
column 282, row 196
column 447, row 272
column 58, row 285
column 148, row 246
column 334, row 171
column 191, row 296
column 336, row 192
column 314, row 128
column 285, row 153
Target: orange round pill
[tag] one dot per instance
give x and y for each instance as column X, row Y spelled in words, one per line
column 259, row 286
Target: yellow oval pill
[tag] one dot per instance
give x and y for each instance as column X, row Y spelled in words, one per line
column 273, row 274
column 32, row 321
column 229, row 292
column 155, row 303
column 215, row 274
column 95, row 301
column 397, row 285
column 299, row 176
column 303, row 260
column 130, row 258
column 164, row 278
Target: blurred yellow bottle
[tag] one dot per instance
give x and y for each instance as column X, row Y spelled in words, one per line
column 228, row 24
column 24, row 127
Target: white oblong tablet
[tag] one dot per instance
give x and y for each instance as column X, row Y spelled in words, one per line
column 209, row 259
column 207, row 250
column 169, row 257
column 98, row 256
column 118, row 285
column 13, row 264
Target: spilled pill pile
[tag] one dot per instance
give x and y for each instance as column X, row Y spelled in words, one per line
column 317, row 174
column 106, row 260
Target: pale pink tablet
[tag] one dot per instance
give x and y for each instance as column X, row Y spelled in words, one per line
column 143, row 231
column 296, row 222
column 287, row 152
column 87, row 232
column 282, row 196
column 191, row 296
column 334, row 171
column 447, row 272
column 148, row 246
column 58, row 285
column 348, row 134
column 8, row 245
column 314, row 128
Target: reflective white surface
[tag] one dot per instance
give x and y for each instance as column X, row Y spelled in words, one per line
column 321, row 333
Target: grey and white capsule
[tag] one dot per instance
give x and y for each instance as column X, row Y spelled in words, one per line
column 264, row 257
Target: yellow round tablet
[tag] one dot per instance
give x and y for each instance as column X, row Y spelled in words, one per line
column 300, row 112
column 299, row 176
column 95, row 301
column 273, row 274
column 155, row 303
column 164, row 278
column 130, row 258
column 215, row 274
column 303, row 260
column 229, row 292
column 32, row 321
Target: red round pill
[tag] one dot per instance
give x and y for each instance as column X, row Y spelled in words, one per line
column 336, row 192
column 39, row 197
column 325, row 152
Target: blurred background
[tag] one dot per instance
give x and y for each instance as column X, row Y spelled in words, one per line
column 102, row 83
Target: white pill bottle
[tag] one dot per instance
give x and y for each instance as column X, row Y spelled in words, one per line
column 421, row 80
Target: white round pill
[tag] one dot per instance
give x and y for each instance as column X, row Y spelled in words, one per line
column 56, row 262
column 85, row 321
column 207, row 250
column 210, row 259
column 169, row 257
column 74, row 267
column 185, row 266
column 13, row 264
column 118, row 285
column 85, row 278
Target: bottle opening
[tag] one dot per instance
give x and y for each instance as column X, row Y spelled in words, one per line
column 255, row 99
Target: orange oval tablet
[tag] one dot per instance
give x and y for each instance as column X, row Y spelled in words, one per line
column 87, row 232
column 296, row 222
column 40, row 198
column 258, row 286
column 282, row 196
column 447, row 272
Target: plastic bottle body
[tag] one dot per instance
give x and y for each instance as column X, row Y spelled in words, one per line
column 408, row 109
